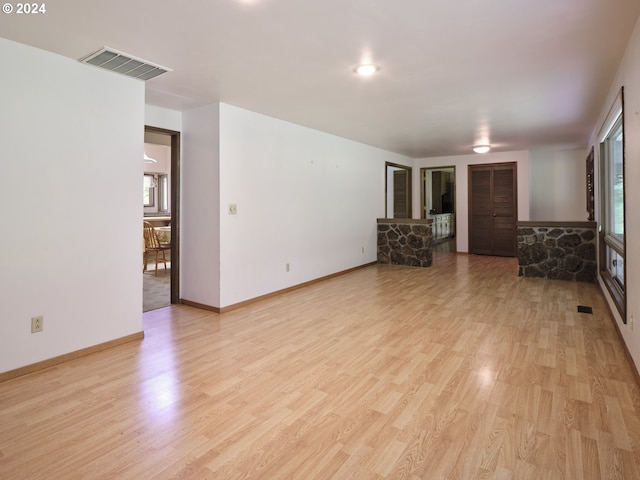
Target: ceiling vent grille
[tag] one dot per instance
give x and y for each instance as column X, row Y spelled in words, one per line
column 124, row 63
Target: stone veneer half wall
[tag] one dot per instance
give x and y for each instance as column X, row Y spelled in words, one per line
column 558, row 250
column 404, row 242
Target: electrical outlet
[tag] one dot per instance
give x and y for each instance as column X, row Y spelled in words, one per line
column 286, row 267
column 363, row 249
column 37, row 324
column 631, row 322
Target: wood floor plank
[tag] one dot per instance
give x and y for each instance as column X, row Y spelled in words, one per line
column 458, row 371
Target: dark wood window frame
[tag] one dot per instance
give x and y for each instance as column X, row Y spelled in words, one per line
column 617, row 292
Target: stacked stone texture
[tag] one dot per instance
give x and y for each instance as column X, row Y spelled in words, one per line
column 404, row 244
column 557, row 253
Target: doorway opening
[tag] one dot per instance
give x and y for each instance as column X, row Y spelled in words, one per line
column 438, row 199
column 161, row 194
column 397, row 191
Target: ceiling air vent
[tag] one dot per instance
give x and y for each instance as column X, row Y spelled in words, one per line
column 124, row 63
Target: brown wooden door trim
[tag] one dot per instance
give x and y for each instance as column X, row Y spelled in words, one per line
column 175, row 208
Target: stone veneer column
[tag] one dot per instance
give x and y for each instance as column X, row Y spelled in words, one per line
column 557, row 250
column 405, row 242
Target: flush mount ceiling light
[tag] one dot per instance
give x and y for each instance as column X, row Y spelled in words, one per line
column 482, row 148
column 366, row 70
column 124, row 63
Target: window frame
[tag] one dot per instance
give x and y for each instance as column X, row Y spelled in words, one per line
column 159, row 194
column 151, row 188
column 612, row 245
column 163, row 193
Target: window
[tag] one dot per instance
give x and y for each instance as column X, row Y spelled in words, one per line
column 163, row 193
column 155, row 193
column 148, row 190
column 612, row 237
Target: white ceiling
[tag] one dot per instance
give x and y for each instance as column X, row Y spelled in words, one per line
column 518, row 73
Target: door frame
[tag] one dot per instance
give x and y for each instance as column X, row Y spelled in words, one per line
column 390, row 167
column 426, row 190
column 175, row 208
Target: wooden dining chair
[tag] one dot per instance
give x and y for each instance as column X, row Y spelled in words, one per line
column 153, row 245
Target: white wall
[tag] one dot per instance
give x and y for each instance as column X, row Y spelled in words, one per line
column 294, row 188
column 162, row 118
column 461, row 163
column 71, row 221
column 558, row 185
column 304, row 197
column 628, row 76
column 200, row 206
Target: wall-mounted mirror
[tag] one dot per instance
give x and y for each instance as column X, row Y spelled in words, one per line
column 398, row 191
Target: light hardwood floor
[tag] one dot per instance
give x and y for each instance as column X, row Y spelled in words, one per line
column 458, row 371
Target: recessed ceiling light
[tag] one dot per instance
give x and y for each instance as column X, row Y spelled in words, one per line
column 366, row 70
column 482, row 148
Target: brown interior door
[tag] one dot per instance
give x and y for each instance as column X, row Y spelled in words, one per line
column 492, row 209
column 401, row 194
column 436, row 191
